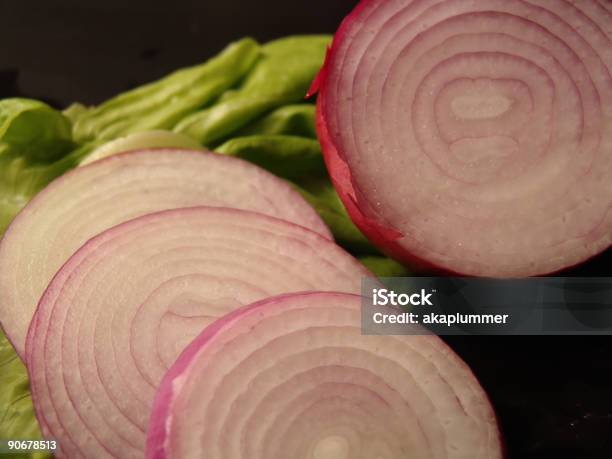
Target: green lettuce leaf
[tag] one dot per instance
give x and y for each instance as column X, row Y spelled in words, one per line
column 75, row 111
column 290, row 157
column 282, row 76
column 17, row 420
column 32, row 130
column 34, row 140
column 298, row 120
column 323, row 198
column 384, row 267
column 161, row 104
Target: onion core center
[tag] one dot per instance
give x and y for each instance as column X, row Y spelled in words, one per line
column 332, row 447
column 477, row 106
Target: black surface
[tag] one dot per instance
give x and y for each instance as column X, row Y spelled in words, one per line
column 80, row 50
column 553, row 395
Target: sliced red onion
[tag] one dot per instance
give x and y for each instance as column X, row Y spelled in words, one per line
column 89, row 200
column 125, row 305
column 474, row 136
column 293, row 377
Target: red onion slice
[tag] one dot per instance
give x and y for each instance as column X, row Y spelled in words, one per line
column 89, row 200
column 292, row 377
column 474, row 136
column 126, row 304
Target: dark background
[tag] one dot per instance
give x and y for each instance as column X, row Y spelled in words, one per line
column 553, row 395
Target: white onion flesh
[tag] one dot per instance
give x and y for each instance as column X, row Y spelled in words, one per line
column 126, row 304
column 474, row 136
column 293, row 377
column 91, row 199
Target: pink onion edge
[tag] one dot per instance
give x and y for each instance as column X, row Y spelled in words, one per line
column 384, row 237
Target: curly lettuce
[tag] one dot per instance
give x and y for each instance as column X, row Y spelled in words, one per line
column 281, row 77
column 34, row 140
column 163, row 103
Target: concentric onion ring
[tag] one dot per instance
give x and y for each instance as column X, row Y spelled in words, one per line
column 127, row 303
column 91, row 199
column 474, row 136
column 293, row 377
